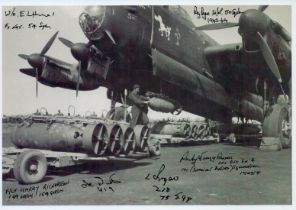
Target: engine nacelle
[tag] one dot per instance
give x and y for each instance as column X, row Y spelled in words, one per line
column 68, row 79
column 98, row 68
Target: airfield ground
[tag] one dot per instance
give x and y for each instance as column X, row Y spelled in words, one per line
column 190, row 175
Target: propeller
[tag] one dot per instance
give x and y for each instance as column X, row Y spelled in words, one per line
column 216, row 26
column 23, row 56
column 78, row 78
column 48, row 44
column 262, row 8
column 268, row 57
column 36, row 85
column 66, row 42
column 277, row 28
column 81, row 52
column 38, row 60
column 253, row 25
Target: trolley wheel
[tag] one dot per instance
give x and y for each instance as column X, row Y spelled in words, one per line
column 30, row 167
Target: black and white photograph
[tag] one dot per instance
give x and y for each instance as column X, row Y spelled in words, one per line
column 147, row 104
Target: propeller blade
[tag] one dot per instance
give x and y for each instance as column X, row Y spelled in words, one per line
column 285, row 34
column 77, row 85
column 23, row 56
column 66, row 42
column 216, row 26
column 262, row 8
column 48, row 44
column 44, row 72
column 279, row 29
column 268, row 57
column 28, row 71
column 36, row 75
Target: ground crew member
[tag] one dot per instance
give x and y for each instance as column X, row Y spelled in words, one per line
column 139, row 107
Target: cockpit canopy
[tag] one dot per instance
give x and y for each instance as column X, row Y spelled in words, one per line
column 179, row 11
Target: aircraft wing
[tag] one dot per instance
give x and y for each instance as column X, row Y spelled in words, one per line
column 231, row 68
column 53, row 73
column 59, row 65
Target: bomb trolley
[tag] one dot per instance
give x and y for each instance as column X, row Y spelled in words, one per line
column 30, row 166
column 42, row 142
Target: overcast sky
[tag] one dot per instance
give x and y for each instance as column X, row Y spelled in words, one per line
column 19, row 90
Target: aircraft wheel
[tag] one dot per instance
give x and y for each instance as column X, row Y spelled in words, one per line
column 277, row 124
column 30, row 167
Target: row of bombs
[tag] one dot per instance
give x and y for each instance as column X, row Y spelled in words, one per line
column 196, row 131
column 94, row 137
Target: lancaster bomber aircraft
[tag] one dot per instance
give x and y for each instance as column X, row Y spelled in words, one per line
column 159, row 48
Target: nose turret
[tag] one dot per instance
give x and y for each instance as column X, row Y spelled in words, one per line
column 91, row 21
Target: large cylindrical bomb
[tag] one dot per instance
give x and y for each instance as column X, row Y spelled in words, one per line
column 116, row 138
column 121, row 137
column 88, row 138
column 193, row 131
column 142, row 133
column 161, row 105
column 202, row 131
column 181, row 129
column 98, row 140
column 129, row 142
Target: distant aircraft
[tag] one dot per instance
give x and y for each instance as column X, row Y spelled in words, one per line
column 159, row 48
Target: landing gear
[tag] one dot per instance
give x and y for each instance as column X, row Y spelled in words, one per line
column 276, row 128
column 119, row 114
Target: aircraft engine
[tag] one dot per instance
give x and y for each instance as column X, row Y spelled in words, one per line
column 249, row 109
column 66, row 79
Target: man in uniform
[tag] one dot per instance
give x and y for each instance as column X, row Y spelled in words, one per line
column 139, row 109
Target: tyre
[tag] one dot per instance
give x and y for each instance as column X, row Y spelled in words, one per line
column 30, row 167
column 277, row 124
